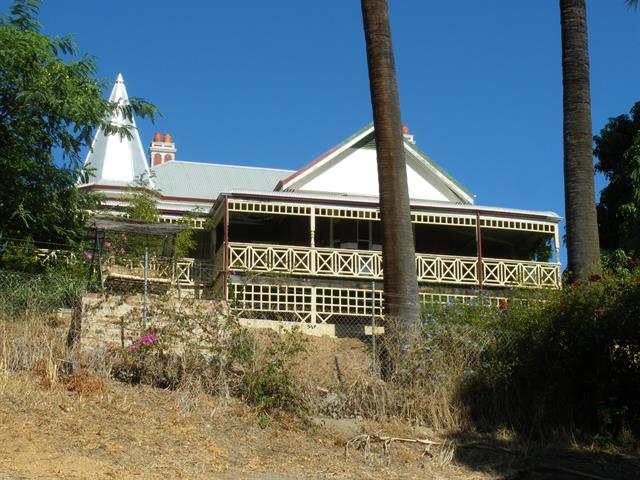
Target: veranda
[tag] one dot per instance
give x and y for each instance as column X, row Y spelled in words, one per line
column 311, row 260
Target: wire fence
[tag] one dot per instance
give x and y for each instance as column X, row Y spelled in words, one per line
column 258, row 300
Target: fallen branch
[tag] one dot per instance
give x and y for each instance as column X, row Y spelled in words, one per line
column 363, row 442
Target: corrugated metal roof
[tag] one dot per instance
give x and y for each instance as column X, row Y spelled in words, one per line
column 208, row 180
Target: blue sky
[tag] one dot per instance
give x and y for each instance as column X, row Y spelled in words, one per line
column 276, row 83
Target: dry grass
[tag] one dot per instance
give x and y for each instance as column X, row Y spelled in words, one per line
column 122, row 431
column 62, row 417
column 84, row 383
column 422, row 388
column 383, row 401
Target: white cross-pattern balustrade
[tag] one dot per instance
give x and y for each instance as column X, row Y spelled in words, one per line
column 321, row 305
column 186, row 272
column 367, row 265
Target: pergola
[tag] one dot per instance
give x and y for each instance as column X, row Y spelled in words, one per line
column 97, row 227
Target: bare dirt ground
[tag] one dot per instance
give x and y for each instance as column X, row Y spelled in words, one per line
column 118, row 431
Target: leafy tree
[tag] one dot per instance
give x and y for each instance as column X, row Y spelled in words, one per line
column 142, row 200
column 50, row 103
column 398, row 249
column 543, row 251
column 582, row 227
column 185, row 241
column 142, row 204
column 618, row 152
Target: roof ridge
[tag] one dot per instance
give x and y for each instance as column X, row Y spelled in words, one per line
column 223, row 165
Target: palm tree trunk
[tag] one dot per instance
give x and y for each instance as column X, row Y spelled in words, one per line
column 582, row 226
column 398, row 249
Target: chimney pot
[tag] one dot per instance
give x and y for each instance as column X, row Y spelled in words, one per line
column 157, row 137
column 167, row 138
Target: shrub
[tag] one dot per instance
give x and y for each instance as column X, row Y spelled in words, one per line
column 572, row 361
column 43, row 293
column 266, row 370
column 211, row 349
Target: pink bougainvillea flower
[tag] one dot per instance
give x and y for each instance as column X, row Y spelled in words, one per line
column 576, row 283
column 595, row 278
column 503, row 305
column 88, row 255
column 134, row 346
column 122, row 251
column 107, row 244
column 148, row 339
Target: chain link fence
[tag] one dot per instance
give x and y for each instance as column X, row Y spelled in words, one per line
column 277, row 302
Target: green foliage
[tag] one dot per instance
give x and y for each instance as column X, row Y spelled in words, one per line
column 20, row 256
column 142, row 200
column 618, row 263
column 49, row 102
column 42, row 293
column 544, row 251
column 210, row 348
column 185, row 241
column 569, row 361
column 267, row 371
column 618, row 152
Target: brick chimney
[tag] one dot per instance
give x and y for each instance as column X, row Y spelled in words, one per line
column 408, row 136
column 162, row 149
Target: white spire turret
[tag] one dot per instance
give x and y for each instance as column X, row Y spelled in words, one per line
column 117, row 160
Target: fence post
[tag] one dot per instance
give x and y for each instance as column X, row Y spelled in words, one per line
column 373, row 328
column 99, row 250
column 146, row 279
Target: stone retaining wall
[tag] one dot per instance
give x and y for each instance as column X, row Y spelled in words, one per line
column 116, row 320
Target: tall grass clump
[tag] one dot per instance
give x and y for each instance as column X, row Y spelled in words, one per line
column 422, row 385
column 30, row 341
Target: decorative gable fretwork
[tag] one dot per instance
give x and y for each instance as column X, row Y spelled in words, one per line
column 458, row 220
column 515, row 224
column 269, row 207
column 461, row 219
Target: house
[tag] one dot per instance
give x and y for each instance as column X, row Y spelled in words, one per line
column 305, row 245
